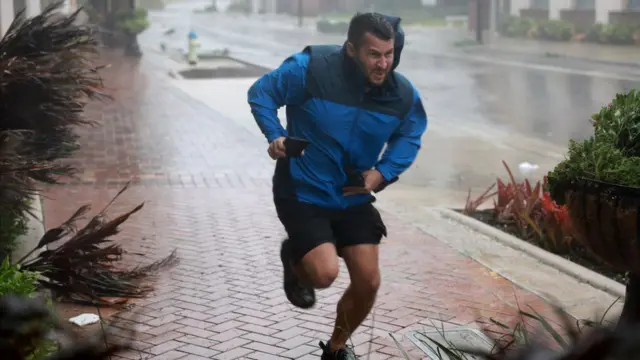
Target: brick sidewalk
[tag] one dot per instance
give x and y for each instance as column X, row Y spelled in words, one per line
column 206, row 183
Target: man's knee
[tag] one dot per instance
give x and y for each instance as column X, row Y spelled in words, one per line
column 324, row 276
column 368, row 283
column 321, row 266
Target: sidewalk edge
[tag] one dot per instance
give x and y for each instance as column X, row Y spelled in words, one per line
column 635, row 65
column 574, row 270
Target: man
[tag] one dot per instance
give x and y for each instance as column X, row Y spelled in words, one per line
column 348, row 102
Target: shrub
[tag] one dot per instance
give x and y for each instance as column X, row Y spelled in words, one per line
column 514, row 26
column 240, row 6
column 151, row 4
column 611, row 155
column 14, row 281
column 135, row 22
column 556, row 30
column 617, row 34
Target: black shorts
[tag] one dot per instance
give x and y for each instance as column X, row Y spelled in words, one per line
column 309, row 226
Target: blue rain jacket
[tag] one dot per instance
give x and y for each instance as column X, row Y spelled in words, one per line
column 328, row 103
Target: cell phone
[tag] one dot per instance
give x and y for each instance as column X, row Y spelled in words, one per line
column 295, row 146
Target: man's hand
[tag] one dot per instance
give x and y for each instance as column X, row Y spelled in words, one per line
column 372, row 179
column 276, row 148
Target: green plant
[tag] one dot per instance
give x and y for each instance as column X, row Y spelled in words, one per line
column 617, row 34
column 16, row 281
column 556, row 30
column 612, row 154
column 240, row 6
column 514, row 26
column 151, row 4
column 135, row 22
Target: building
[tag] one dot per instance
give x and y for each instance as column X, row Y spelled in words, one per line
column 10, row 8
column 581, row 13
column 316, row 7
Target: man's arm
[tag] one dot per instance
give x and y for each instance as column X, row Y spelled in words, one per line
column 405, row 142
column 282, row 86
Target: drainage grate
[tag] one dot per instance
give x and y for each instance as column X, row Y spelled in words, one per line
column 464, row 338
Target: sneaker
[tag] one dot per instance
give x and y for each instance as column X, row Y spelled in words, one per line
column 298, row 294
column 346, row 353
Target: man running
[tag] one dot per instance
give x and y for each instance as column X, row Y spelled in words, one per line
column 348, row 102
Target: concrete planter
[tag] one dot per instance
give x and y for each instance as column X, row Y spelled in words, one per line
column 35, row 225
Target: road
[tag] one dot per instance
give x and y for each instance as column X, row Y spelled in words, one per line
column 481, row 109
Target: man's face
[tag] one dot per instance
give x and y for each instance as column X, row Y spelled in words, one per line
column 375, row 57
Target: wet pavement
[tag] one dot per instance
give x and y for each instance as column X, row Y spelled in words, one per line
column 205, row 181
column 482, row 108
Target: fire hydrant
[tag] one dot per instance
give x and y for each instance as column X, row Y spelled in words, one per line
column 194, row 45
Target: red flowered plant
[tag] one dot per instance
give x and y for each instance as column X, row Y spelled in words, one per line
column 530, row 210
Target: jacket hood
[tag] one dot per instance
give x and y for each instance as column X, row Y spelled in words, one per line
column 399, row 40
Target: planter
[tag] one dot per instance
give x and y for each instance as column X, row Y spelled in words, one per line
column 604, row 220
column 35, row 225
column 132, row 47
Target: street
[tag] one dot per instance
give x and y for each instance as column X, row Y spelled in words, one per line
column 481, row 110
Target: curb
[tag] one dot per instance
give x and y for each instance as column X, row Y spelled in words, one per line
column 576, row 271
column 633, row 65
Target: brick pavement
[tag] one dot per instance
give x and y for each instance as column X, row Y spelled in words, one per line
column 206, row 184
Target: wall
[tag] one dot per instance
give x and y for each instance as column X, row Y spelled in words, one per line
column 581, row 19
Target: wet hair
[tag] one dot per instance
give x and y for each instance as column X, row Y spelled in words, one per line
column 374, row 23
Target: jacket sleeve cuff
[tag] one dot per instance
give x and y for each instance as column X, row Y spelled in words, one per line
column 275, row 135
column 386, row 171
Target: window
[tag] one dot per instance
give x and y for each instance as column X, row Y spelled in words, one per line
column 633, row 5
column 540, row 4
column 585, row 4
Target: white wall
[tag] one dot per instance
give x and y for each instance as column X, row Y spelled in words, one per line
column 603, row 7
column 6, row 15
column 517, row 5
column 555, row 6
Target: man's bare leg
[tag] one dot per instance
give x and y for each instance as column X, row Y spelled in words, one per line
column 358, row 300
column 319, row 267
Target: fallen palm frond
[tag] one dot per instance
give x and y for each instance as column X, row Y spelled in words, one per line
column 81, row 268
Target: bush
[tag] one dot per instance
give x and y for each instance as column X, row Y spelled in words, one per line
column 332, row 27
column 514, row 26
column 14, row 281
column 556, row 30
column 617, row 34
column 135, row 22
column 240, row 6
column 151, row 4
column 611, row 155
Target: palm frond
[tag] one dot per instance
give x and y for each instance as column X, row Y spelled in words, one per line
column 79, row 265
